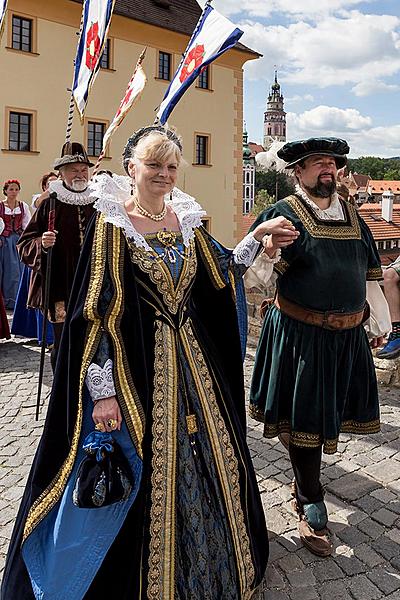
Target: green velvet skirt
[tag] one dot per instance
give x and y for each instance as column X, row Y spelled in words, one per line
column 313, row 383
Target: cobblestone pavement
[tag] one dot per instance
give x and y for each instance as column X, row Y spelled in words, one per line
column 362, row 481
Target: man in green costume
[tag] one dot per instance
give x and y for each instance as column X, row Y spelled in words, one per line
column 314, row 375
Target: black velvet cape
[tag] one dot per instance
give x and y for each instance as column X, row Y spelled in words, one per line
column 211, row 308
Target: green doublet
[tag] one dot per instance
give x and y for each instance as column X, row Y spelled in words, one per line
column 309, row 381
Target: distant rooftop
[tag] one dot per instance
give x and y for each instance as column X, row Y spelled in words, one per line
column 377, row 186
column 381, row 229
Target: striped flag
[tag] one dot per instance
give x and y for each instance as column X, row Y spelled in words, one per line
column 96, row 19
column 214, row 35
column 3, row 8
column 132, row 94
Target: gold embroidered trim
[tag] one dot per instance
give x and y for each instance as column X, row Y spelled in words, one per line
column 374, row 274
column 99, row 252
column 357, row 427
column 161, row 276
column 161, row 576
column 256, row 413
column 210, row 261
column 319, row 229
column 232, row 283
column 281, row 266
column 312, row 440
column 51, row 495
column 225, row 459
column 126, row 391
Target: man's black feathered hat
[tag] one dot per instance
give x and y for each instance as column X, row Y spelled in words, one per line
column 72, row 152
column 294, row 152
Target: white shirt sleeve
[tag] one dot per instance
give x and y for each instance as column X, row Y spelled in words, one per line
column 379, row 321
column 260, row 272
column 27, row 215
column 1, row 225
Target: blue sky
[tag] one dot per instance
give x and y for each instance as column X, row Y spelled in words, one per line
column 338, row 64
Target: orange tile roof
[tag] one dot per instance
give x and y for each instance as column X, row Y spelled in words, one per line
column 377, row 186
column 381, row 229
column 361, row 180
column 255, row 148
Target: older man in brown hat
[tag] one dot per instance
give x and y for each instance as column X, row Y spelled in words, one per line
column 314, row 375
column 73, row 209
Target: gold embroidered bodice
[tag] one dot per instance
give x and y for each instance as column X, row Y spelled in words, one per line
column 170, row 265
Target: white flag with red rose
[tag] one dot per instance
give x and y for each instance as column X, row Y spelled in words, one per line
column 132, row 94
column 96, row 20
column 3, row 8
column 214, row 35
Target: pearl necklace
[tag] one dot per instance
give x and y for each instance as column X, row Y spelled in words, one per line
column 159, row 217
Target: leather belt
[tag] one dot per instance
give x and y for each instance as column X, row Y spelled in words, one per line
column 327, row 320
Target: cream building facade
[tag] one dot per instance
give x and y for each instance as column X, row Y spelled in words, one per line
column 36, row 59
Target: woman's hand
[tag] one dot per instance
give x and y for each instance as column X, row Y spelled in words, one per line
column 276, row 226
column 106, row 409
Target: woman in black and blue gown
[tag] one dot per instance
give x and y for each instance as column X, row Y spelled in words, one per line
column 152, row 352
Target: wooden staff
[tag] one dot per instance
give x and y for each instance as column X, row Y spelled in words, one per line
column 45, row 303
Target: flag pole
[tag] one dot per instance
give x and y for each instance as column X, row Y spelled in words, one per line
column 104, row 150
column 50, row 226
column 45, row 303
column 71, row 107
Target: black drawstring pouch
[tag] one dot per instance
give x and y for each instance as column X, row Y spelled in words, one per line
column 104, row 475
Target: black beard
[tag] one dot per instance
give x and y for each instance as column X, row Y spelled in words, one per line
column 322, row 190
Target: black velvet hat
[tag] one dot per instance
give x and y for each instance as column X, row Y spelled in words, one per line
column 294, row 152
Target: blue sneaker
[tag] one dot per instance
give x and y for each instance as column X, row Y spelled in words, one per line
column 392, row 348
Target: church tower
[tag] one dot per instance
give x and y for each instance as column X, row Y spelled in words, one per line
column 249, row 175
column 274, row 116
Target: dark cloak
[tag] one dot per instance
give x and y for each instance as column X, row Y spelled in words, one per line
column 210, row 306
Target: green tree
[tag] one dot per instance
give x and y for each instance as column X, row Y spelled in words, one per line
column 375, row 167
column 266, row 180
column 262, row 201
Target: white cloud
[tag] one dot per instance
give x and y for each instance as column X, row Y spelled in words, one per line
column 373, row 86
column 336, row 51
column 350, row 124
column 265, row 8
column 376, row 141
column 326, row 120
column 299, row 98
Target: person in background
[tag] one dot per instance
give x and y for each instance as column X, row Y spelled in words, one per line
column 15, row 216
column 4, row 327
column 391, row 278
column 37, row 199
column 28, row 322
column 73, row 210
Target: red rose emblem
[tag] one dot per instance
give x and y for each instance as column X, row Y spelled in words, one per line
column 192, row 61
column 92, row 46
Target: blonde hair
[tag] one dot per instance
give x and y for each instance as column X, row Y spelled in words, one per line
column 157, row 146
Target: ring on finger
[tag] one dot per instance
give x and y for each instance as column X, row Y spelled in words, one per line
column 112, row 423
column 100, row 427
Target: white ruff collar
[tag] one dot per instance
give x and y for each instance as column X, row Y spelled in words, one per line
column 334, row 212
column 113, row 192
column 69, row 197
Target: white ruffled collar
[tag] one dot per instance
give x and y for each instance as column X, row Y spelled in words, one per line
column 70, row 197
column 113, row 192
column 334, row 212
